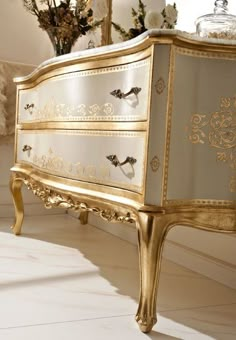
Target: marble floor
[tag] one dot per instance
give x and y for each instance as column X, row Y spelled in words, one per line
column 60, row 280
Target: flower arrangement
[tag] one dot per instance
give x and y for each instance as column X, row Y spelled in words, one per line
column 65, row 20
column 146, row 20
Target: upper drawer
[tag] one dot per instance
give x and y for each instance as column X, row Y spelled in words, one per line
column 84, row 155
column 86, row 95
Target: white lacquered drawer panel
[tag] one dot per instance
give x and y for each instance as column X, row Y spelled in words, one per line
column 82, row 155
column 86, row 95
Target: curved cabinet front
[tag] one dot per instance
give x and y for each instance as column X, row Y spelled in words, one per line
column 105, row 157
column 91, row 95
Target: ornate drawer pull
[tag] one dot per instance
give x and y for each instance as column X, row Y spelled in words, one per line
column 121, row 95
column 26, row 148
column 29, row 107
column 115, row 161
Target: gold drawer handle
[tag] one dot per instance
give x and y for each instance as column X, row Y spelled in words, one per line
column 119, row 94
column 26, row 148
column 29, row 107
column 115, row 161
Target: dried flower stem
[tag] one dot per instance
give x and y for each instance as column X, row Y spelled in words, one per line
column 65, row 22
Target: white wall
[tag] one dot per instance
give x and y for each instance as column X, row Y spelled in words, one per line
column 190, row 10
column 20, row 37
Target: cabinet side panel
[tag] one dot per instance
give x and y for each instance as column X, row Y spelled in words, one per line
column 157, row 124
column 202, row 155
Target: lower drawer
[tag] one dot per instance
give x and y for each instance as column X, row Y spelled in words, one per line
column 114, row 158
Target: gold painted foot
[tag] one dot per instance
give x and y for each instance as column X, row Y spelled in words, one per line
column 145, row 324
column 151, row 234
column 15, row 187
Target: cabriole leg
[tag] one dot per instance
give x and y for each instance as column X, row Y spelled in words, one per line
column 15, row 187
column 151, row 234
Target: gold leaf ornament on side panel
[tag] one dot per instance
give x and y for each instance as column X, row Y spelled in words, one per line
column 155, row 163
column 218, row 130
column 160, row 85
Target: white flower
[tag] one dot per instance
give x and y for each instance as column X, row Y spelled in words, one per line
column 170, row 14
column 153, row 20
column 99, row 8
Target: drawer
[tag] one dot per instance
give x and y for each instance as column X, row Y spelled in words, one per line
column 82, row 155
column 86, row 95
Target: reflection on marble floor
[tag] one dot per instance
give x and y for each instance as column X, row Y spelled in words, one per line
column 64, row 281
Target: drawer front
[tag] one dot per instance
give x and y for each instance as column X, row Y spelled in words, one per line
column 86, row 95
column 82, row 155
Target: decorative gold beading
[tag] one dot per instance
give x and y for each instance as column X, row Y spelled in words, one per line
column 200, row 202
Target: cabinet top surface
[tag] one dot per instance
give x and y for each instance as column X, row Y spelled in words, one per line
column 146, row 39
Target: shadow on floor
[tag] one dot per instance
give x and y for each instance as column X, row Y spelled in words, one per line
column 117, row 262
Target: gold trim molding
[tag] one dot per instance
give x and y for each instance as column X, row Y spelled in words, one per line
column 201, row 203
column 205, row 54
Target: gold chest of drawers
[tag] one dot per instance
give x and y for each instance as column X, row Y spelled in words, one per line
column 143, row 132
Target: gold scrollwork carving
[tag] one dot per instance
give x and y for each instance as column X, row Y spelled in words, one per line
column 79, row 169
column 197, row 134
column 52, row 198
column 90, row 171
column 57, row 164
column 219, row 130
column 104, row 171
column 55, row 111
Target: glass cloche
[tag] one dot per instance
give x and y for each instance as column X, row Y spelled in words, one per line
column 219, row 24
